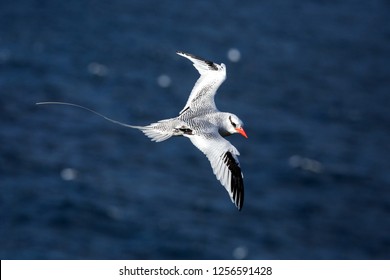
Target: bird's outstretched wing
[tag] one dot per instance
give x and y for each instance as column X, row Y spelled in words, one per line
column 212, row 75
column 224, row 162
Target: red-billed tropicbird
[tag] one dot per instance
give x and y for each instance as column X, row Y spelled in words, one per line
column 204, row 125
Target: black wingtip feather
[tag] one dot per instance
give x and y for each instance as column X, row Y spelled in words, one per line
column 211, row 64
column 237, row 181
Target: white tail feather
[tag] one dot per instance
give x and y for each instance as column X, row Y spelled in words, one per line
column 152, row 130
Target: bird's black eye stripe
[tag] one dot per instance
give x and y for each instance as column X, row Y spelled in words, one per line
column 233, row 124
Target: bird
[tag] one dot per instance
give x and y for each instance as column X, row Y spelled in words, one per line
column 203, row 124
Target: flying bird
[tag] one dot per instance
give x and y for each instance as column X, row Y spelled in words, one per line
column 202, row 123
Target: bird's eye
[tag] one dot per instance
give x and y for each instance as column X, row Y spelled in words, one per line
column 233, row 123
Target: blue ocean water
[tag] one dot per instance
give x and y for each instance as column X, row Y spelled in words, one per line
column 309, row 79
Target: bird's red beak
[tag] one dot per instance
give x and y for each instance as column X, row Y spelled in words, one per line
column 241, row 131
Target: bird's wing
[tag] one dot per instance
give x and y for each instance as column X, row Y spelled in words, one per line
column 202, row 95
column 223, row 157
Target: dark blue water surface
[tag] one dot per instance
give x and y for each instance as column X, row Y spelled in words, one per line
column 311, row 82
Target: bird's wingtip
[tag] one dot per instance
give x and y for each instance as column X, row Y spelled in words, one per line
column 180, row 53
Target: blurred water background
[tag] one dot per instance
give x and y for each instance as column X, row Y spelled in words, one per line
column 310, row 79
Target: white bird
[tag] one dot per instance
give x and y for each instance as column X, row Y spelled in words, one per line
column 203, row 124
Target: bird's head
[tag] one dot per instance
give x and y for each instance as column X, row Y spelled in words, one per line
column 235, row 125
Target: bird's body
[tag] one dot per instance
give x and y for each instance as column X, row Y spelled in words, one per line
column 204, row 125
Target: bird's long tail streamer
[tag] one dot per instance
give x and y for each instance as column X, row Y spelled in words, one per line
column 85, row 108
